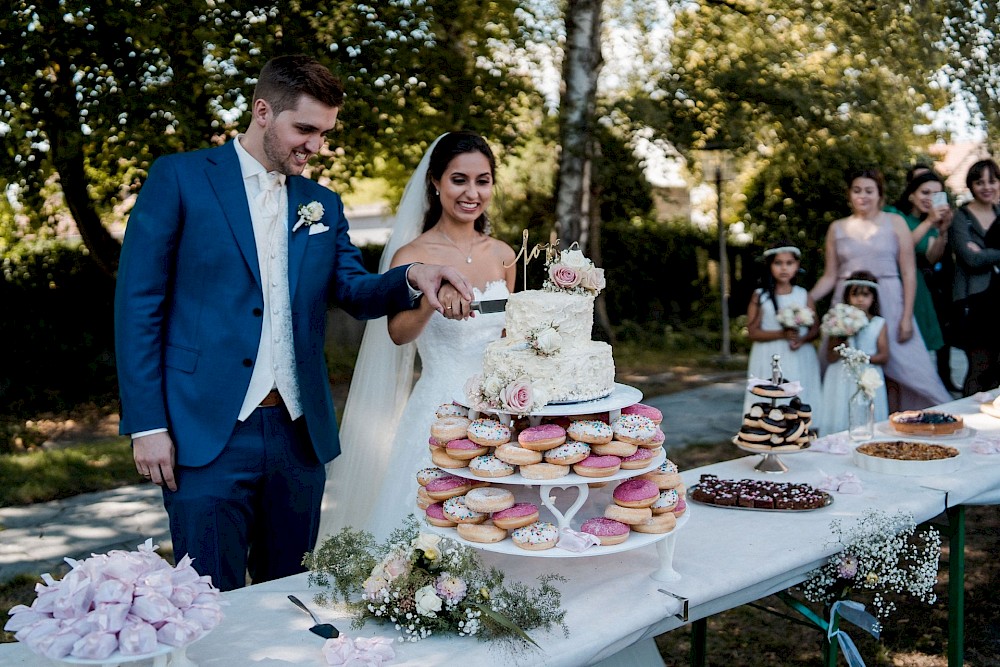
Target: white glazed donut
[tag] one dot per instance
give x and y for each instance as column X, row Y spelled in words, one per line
column 451, row 410
column 428, row 474
column 635, row 429
column 590, row 431
column 544, row 471
column 519, row 456
column 456, row 510
column 490, row 466
column 488, row 432
column 449, row 428
column 536, row 536
column 485, row 532
column 666, row 502
column 618, row 448
column 489, row 499
column 568, row 453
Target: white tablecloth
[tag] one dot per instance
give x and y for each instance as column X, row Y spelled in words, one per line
column 726, row 558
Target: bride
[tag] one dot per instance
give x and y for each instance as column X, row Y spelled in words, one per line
column 441, row 220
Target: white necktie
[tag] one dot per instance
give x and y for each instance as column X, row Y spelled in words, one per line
column 282, row 345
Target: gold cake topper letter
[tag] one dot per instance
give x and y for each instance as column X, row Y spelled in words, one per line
column 551, row 251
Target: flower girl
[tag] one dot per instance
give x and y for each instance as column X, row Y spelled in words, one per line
column 844, row 325
column 781, row 319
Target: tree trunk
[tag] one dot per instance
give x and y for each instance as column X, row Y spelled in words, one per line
column 581, row 66
column 593, row 214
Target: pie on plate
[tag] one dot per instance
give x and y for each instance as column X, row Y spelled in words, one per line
column 925, row 422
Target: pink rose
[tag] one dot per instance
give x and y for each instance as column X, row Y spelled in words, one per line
column 516, row 396
column 593, row 279
column 564, row 276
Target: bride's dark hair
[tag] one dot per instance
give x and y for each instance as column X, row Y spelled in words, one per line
column 448, row 147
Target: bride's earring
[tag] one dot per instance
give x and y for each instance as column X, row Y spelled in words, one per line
column 437, row 192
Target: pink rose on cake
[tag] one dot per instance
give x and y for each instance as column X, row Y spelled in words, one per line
column 593, row 279
column 565, row 277
column 517, row 396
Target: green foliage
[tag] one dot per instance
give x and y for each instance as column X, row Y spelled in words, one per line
column 973, row 54
column 37, row 477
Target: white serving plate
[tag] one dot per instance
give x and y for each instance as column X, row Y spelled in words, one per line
column 907, row 468
column 569, row 479
column 621, row 396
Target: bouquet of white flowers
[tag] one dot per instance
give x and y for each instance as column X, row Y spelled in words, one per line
column 843, row 320
column 857, row 362
column 793, row 317
column 571, row 272
column 423, row 583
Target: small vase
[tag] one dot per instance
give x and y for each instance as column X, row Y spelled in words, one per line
column 861, row 417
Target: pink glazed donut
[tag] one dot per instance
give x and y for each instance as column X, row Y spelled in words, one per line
column 640, row 459
column 644, row 410
column 598, row 466
column 447, row 487
column 636, row 493
column 608, row 531
column 542, row 437
column 436, row 517
column 521, row 514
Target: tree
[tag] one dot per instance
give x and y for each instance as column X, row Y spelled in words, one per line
column 94, row 94
column 971, row 27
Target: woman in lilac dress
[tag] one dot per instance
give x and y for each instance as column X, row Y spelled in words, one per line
column 873, row 240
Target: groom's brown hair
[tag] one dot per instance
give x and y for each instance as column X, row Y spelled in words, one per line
column 283, row 80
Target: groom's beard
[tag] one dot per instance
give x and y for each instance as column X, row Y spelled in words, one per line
column 278, row 159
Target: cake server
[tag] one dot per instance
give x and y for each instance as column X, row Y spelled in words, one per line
column 325, row 630
column 494, row 306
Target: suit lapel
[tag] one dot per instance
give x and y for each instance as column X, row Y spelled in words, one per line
column 300, row 239
column 226, row 177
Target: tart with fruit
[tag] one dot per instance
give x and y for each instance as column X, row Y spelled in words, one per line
column 925, row 422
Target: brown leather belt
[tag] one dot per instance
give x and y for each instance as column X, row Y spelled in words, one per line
column 272, row 399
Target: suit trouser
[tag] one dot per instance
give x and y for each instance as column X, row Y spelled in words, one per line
column 255, row 507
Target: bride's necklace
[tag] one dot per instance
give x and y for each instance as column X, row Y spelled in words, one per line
column 468, row 255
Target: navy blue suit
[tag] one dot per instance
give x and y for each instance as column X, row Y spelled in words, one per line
column 189, row 302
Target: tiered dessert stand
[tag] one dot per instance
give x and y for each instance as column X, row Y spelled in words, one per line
column 771, row 462
column 620, row 397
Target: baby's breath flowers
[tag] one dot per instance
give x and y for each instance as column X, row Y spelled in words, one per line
column 883, row 554
column 422, row 583
column 857, row 362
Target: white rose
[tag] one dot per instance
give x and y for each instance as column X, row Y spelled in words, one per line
column 548, row 340
column 492, row 386
column 870, row 381
column 314, row 211
column 428, row 543
column 574, row 259
column 428, row 603
column 374, row 585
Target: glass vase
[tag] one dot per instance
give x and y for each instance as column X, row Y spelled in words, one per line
column 861, row 417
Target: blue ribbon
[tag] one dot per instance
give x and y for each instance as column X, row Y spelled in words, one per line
column 856, row 614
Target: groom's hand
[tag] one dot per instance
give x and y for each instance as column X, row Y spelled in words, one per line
column 154, row 458
column 429, row 278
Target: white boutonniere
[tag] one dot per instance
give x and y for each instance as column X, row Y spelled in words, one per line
column 309, row 214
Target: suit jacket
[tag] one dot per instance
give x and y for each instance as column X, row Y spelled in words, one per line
column 188, row 302
column 973, row 270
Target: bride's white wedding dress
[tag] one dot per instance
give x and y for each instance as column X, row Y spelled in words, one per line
column 450, row 352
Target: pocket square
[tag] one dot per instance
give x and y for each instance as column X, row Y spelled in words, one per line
column 317, row 228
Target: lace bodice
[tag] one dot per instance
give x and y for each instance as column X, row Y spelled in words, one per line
column 451, row 350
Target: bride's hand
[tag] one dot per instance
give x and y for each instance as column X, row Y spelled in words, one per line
column 456, row 307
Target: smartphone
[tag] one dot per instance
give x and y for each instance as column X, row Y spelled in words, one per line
column 939, row 199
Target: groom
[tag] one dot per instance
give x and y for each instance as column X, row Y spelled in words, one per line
column 229, row 262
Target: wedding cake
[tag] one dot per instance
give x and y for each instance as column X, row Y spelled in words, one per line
column 548, row 340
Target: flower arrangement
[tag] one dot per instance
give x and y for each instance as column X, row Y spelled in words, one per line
column 882, row 554
column 423, row 584
column 868, row 379
column 570, row 271
column 544, row 340
column 843, row 320
column 125, row 601
column 793, row 317
column 309, row 214
column 507, row 390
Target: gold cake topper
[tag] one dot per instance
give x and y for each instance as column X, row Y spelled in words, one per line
column 551, row 252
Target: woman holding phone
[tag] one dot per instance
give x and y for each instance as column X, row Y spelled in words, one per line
column 924, row 207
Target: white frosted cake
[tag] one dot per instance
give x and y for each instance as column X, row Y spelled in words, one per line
column 548, row 340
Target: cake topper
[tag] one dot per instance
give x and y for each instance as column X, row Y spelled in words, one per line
column 776, row 369
column 551, row 251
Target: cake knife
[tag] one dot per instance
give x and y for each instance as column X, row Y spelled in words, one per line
column 494, row 306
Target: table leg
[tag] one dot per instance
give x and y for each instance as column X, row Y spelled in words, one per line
column 699, row 641
column 956, row 586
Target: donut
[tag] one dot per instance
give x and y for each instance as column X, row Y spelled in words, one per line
column 753, row 434
column 618, row 448
column 456, row 510
column 804, row 411
column 432, row 442
column 427, row 474
column 536, row 536
column 751, row 422
column 666, row 502
column 592, row 416
column 444, row 488
column 644, row 410
column 423, row 500
column 598, row 466
column 435, row 516
column 489, row 499
column 629, row 515
column 590, row 431
column 659, row 523
column 568, row 453
column 640, row 459
column 768, row 391
column 440, row 458
column 490, row 466
column 664, row 475
column 451, row 410
column 488, row 432
column 485, row 532
column 542, row 437
column 681, row 507
column 635, row 429
column 449, row 428
column 608, row 531
column 635, row 493
column 464, row 449
column 758, row 410
column 772, row 425
column 513, row 453
column 520, row 514
column 596, row 485
column 544, row 471
column 658, row 439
